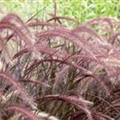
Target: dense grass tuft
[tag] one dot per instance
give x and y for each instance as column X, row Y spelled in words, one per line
column 70, row 73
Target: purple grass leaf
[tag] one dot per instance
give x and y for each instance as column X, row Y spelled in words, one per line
column 79, row 102
column 17, row 86
column 35, row 82
column 101, row 115
column 23, row 110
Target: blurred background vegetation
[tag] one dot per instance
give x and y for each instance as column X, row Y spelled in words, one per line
column 83, row 10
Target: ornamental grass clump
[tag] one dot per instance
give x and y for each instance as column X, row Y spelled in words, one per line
column 68, row 73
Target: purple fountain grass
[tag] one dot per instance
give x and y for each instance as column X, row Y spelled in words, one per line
column 23, row 110
column 71, row 73
column 17, row 86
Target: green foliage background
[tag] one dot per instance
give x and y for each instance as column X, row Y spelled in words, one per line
column 83, row 10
